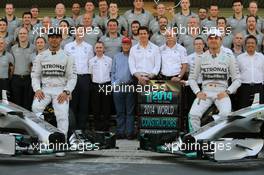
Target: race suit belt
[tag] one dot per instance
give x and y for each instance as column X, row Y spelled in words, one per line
column 214, row 85
column 168, row 77
column 52, row 85
column 82, row 75
column 252, row 84
column 21, row 76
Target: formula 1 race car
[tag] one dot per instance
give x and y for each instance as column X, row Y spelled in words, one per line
column 237, row 136
column 22, row 132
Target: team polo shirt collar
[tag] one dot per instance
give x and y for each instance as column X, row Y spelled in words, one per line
column 250, row 34
column 190, row 13
column 234, row 17
column 14, row 18
column 242, row 50
column 118, row 16
column 103, row 57
column 76, row 44
column 174, row 47
column 101, row 15
column 6, row 35
column 64, row 17
column 209, row 18
column 107, row 35
column 255, row 53
column 149, row 46
column 3, row 54
column 31, row 26
column 142, row 11
column 28, row 45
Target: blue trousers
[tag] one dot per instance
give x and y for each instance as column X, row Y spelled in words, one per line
column 124, row 104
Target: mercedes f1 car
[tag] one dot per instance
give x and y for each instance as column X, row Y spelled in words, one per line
column 22, row 132
column 237, row 136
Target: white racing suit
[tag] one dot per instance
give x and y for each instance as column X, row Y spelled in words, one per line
column 53, row 73
column 215, row 74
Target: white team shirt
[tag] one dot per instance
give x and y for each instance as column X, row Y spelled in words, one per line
column 172, row 60
column 100, row 69
column 145, row 60
column 81, row 53
column 251, row 67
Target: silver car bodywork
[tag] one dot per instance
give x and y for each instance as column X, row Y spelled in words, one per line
column 17, row 123
column 239, row 135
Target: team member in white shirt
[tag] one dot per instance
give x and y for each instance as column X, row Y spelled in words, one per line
column 174, row 63
column 144, row 58
column 100, row 69
column 199, row 45
column 82, row 52
column 251, row 66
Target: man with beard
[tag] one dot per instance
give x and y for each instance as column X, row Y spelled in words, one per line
column 76, row 10
column 252, row 30
column 26, row 23
column 154, row 24
column 159, row 38
column 134, row 28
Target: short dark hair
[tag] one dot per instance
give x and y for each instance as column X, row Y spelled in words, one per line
column 164, row 17
column 34, row 6
column 251, row 37
column 236, row 1
column 113, row 20
column 135, row 22
column 68, row 24
column 249, row 16
column 203, row 7
column 79, row 26
column 219, row 18
column 113, row 2
column 41, row 37
column 27, row 13
column 214, row 3
column 102, row 1
column 100, row 42
column 144, row 28
column 3, row 20
column 75, row 2
column 90, row 1
column 199, row 38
